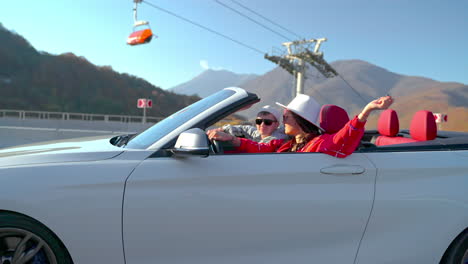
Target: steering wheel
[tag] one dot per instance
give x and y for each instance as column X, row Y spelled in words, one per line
column 216, row 146
column 365, row 145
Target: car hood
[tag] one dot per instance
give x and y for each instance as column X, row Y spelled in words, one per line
column 69, row 150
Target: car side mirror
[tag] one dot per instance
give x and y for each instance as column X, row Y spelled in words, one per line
column 192, row 142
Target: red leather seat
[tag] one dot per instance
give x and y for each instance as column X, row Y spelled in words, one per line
column 388, row 127
column 388, row 124
column 332, row 118
column 423, row 126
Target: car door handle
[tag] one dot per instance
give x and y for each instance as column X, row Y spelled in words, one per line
column 343, row 169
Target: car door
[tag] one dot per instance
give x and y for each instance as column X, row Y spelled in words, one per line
column 420, row 204
column 247, row 208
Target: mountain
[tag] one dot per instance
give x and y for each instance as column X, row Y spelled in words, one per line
column 211, row 81
column 33, row 80
column 368, row 81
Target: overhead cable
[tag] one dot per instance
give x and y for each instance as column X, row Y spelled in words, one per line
column 253, row 20
column 267, row 19
column 203, row 27
column 291, row 32
column 229, row 38
column 365, row 101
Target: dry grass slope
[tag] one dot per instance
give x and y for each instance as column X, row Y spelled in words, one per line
column 433, row 100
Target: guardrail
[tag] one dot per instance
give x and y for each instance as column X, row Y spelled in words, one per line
column 24, row 114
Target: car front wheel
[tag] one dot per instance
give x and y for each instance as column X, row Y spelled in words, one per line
column 457, row 253
column 24, row 240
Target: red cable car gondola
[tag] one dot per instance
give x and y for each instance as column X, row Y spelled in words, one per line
column 140, row 36
column 143, row 35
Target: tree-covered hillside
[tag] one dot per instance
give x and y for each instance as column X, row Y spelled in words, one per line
column 32, row 80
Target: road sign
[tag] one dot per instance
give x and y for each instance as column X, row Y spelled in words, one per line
column 144, row 103
column 141, row 103
column 440, row 118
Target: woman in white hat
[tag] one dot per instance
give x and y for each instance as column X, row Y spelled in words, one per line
column 301, row 122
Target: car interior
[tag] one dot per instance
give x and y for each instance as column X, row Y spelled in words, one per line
column 422, row 135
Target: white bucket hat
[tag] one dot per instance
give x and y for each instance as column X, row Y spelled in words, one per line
column 306, row 107
column 270, row 109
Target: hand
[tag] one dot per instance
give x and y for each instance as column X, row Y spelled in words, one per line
column 217, row 134
column 382, row 103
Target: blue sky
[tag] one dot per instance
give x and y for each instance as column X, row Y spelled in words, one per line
column 419, row 37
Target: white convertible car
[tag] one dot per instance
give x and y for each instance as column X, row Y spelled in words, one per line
column 168, row 195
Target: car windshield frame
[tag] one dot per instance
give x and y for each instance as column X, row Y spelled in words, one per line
column 156, row 132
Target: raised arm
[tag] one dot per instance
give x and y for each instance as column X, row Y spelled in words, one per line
column 381, row 103
column 344, row 142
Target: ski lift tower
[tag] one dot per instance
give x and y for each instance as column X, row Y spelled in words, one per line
column 298, row 54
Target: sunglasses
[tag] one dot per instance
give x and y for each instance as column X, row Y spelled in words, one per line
column 267, row 122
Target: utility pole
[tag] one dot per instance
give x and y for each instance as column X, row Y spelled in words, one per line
column 298, row 54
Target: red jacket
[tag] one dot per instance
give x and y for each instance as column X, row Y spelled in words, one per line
column 340, row 145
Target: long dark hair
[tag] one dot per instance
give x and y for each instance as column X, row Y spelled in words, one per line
column 305, row 125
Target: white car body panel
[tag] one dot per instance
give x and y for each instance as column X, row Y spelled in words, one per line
column 421, row 204
column 81, row 201
column 83, row 210
column 111, row 204
column 252, row 208
column 68, row 150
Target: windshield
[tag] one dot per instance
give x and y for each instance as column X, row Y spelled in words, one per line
column 162, row 128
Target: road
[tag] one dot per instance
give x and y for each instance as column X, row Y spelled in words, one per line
column 14, row 131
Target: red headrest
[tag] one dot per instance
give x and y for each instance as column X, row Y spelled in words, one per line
column 423, row 126
column 332, row 118
column 388, row 123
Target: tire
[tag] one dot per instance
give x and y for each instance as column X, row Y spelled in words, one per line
column 457, row 253
column 30, row 241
